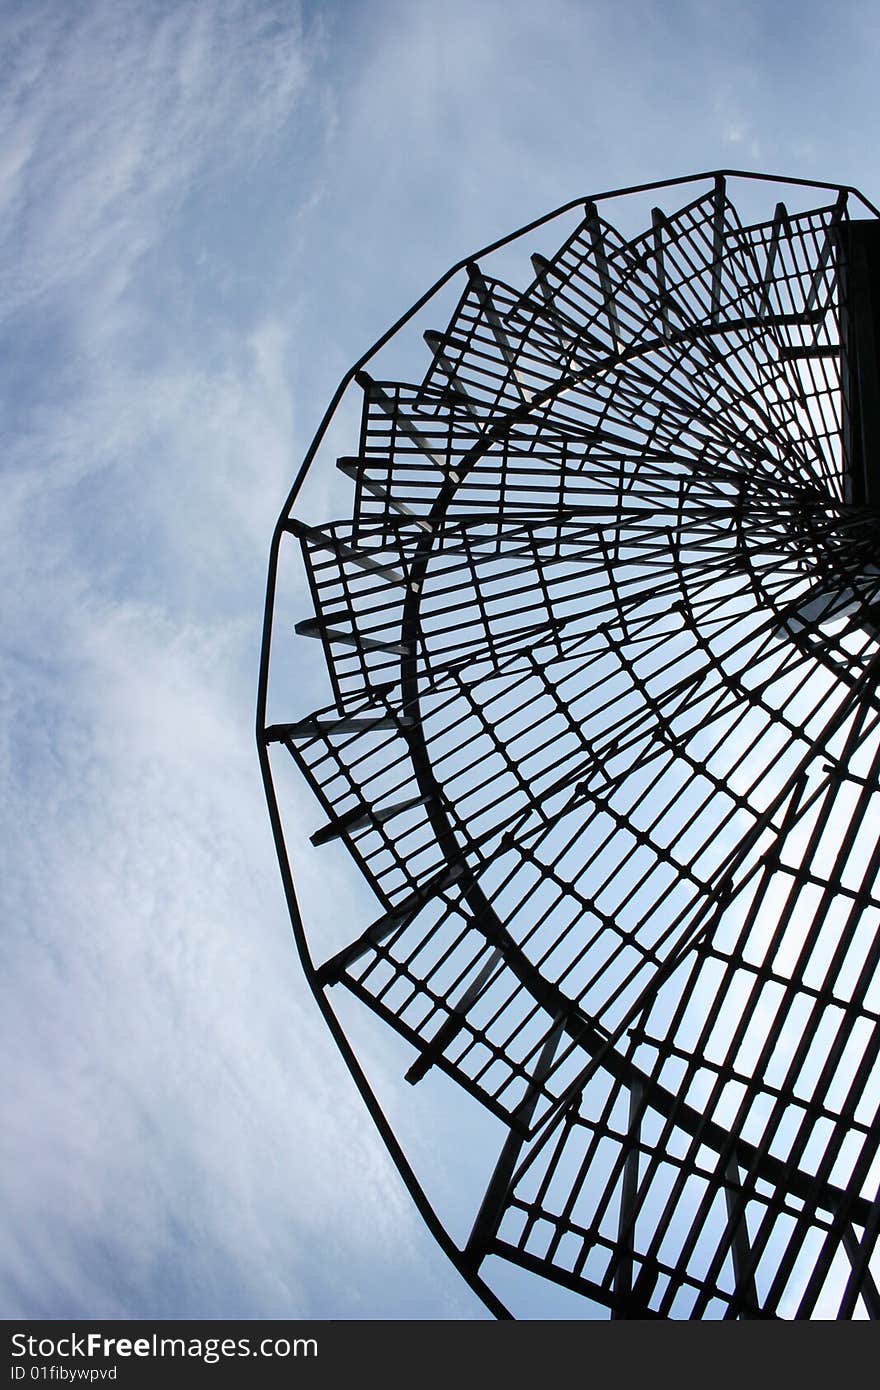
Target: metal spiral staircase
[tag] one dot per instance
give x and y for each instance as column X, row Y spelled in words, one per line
column 600, row 627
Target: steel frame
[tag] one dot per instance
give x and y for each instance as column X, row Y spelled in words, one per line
column 601, row 635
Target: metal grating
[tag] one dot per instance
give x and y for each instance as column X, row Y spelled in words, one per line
column 601, row 631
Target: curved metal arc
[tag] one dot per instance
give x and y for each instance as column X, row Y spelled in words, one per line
column 456, row 1256
column 579, row 1026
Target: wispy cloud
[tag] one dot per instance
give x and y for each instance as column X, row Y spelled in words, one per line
column 208, row 209
column 111, row 112
column 174, row 1098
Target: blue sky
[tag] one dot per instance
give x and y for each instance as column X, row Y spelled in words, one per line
column 209, row 210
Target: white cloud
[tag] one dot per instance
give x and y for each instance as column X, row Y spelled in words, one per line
column 181, row 1136
column 208, row 208
column 167, row 1105
column 111, row 113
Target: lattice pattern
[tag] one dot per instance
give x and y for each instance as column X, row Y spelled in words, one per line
column 602, row 638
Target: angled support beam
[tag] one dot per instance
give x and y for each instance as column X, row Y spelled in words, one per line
column 493, row 318
column 491, row 1210
column 316, row 537
column 861, row 1282
column 566, row 331
column 719, row 202
column 403, row 423
column 745, row 1292
column 360, row 816
column 780, row 225
column 600, row 256
column 333, row 969
column 828, row 246
column 354, row 467
column 658, row 224
column 460, row 394
column 317, row 627
column 326, row 728
column 453, row 1025
column 628, row 1194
